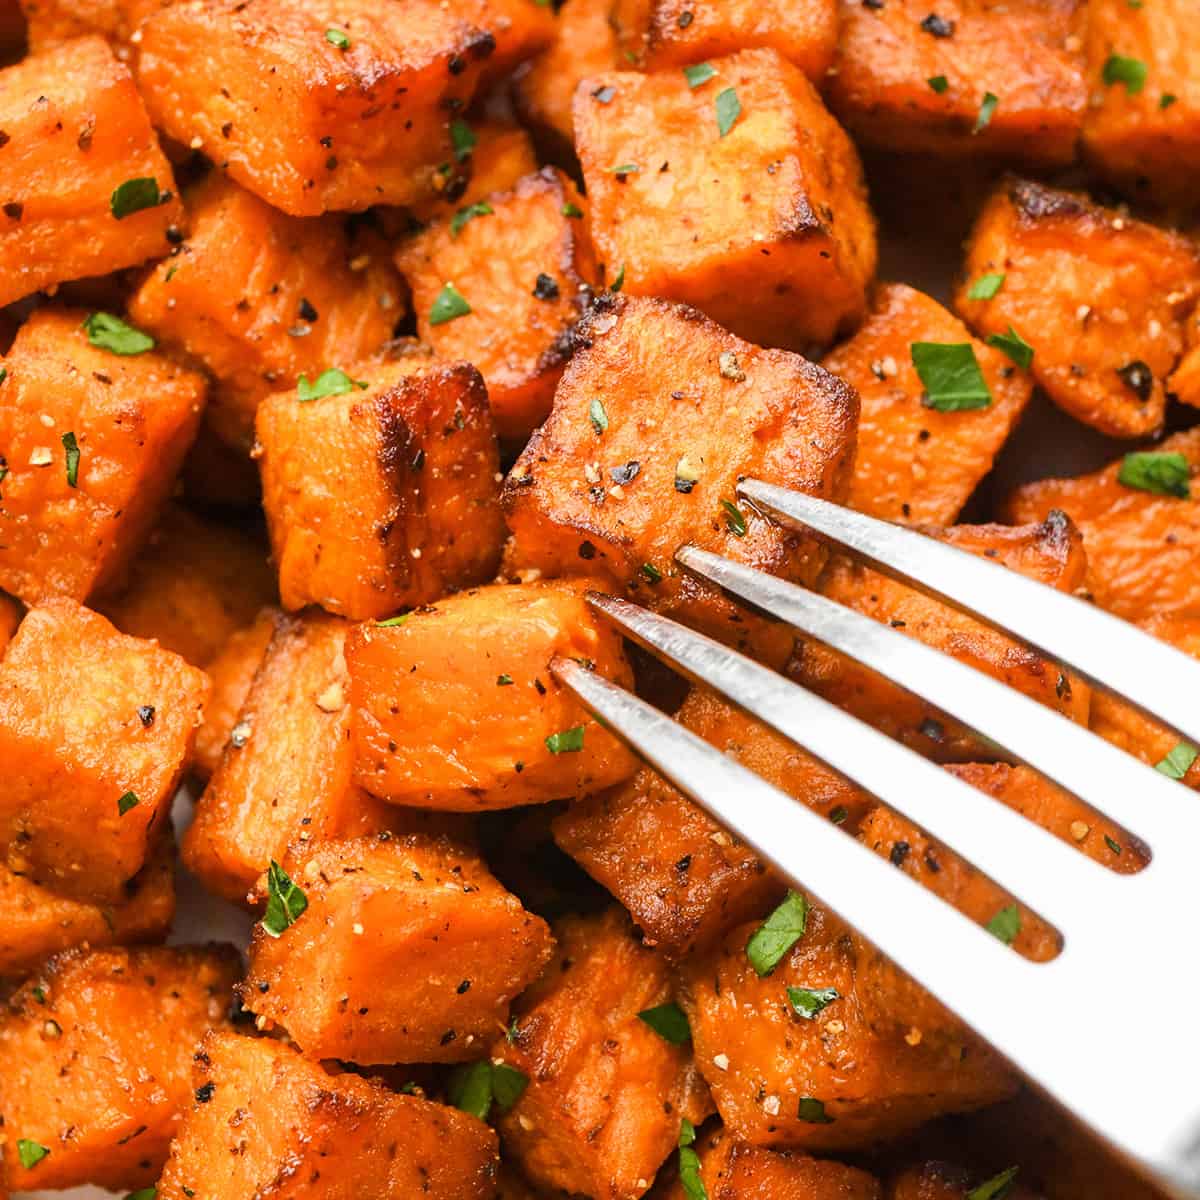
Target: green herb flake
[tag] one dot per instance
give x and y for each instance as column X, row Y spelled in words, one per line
column 569, row 741
column 624, row 169
column 469, row 1088
column 572, row 210
column 285, row 901
column 729, row 108
column 1166, row 100
column 1129, row 71
column 481, row 209
column 951, row 376
column 134, row 195
column 3, row 374
column 448, row 304
column 778, row 934
column 1006, row 924
column 939, row 83
column 336, row 37
column 1178, row 761
column 618, row 281
column 1113, row 845
column 598, row 416
column 651, row 572
column 985, row 287
column 126, row 802
column 1156, row 471
column 735, row 521
column 111, row 333
column 1014, row 345
column 698, row 74
column 813, row 1111
column 668, row 1021
column 504, row 680
column 689, row 1163
column 146, row 1193
column 71, row 446
column 390, row 622
column 462, row 138
column 987, row 110
column 996, row 1187
column 839, row 815
column 508, row 1085
column 807, row 1002
column 333, row 382
column 30, row 1153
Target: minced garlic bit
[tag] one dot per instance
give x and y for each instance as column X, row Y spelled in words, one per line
column 239, row 735
column 332, row 699
column 771, row 1106
column 727, row 364
column 721, row 1062
column 913, row 1036
column 1080, row 830
column 41, row 456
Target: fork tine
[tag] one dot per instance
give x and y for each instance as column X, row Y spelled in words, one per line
column 1024, row 858
column 1146, row 802
column 1157, row 678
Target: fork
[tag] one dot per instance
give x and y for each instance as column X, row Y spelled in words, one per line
column 1111, row 1026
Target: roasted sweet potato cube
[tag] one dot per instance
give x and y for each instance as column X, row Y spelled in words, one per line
column 269, row 1122
column 683, row 878
column 1051, row 552
column 261, row 298
column 36, row 922
column 193, row 585
column 914, row 78
column 741, row 196
column 382, row 494
column 606, row 1093
column 915, row 463
column 435, row 723
column 96, row 1057
column 1100, row 298
column 95, row 731
column 1143, row 547
column 285, row 771
column 89, row 445
column 1144, row 137
column 654, row 424
column 369, row 90
column 875, row 1063
column 523, row 270
column 84, row 187
column 409, row 950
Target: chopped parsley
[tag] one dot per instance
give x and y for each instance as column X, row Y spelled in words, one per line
column 618, row 280
column 778, row 934
column 146, row 1193
column 597, row 415
column 985, row 287
column 480, row 209
column 813, row 1111
column 474, row 1087
column 1006, row 924
column 839, row 815
column 1166, row 100
column 508, row 1085
column 996, row 1187
column 807, row 1002
column 285, row 901
column 939, row 83
column 126, row 802
column 504, row 680
column 729, row 108
column 698, row 74
column 569, row 741
column 111, row 333
column 462, row 138
column 30, row 1153
column 1014, row 345
column 951, row 376
column 689, row 1163
column 571, row 210
column 71, row 446
column 1129, row 71
column 624, row 169
column 651, row 572
column 333, row 382
column 388, row 622
column 735, row 521
column 987, row 110
column 1160, row 472
column 668, row 1021
column 336, row 37
column 1113, row 845
column 1178, row 761
column 134, row 195
column 447, row 305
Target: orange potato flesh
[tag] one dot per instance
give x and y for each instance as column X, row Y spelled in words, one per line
column 133, row 418
column 96, row 1056
column 915, row 464
column 435, row 724
column 75, row 131
column 766, row 229
column 52, row 22
column 91, row 722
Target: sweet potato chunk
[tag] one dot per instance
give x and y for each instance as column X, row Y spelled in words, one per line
column 523, row 269
column 52, row 22
column 367, row 114
column 653, row 425
column 383, row 496
column 875, row 1063
column 683, row 878
column 261, row 298
column 410, row 950
column 1101, row 299
column 269, row 1122
column 1051, row 552
column 1025, row 55
column 194, row 584
column 434, row 721
column 1142, row 547
column 76, row 135
column 764, row 227
column 36, row 922
column 285, row 772
column 80, row 492
column 1146, row 139
column 606, row 1092
column 914, row 463
column 96, row 1057
column 95, row 731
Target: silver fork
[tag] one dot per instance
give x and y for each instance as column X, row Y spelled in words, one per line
column 1111, row 1026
